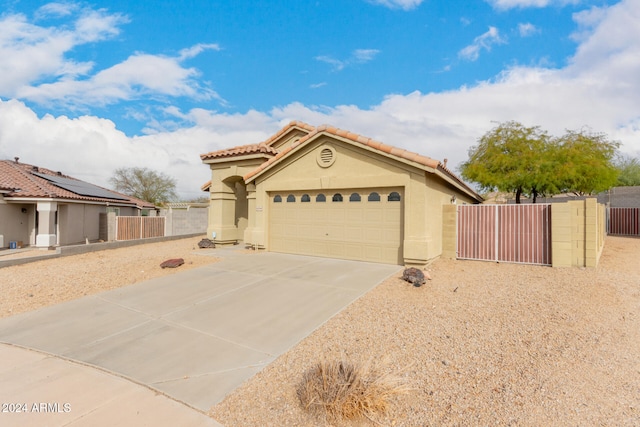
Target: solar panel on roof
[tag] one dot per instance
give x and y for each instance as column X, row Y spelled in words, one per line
column 80, row 187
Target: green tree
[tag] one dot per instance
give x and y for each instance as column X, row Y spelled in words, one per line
column 527, row 161
column 145, row 184
column 513, row 158
column 585, row 162
column 628, row 170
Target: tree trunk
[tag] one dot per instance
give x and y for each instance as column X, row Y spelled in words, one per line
column 535, row 195
column 518, row 193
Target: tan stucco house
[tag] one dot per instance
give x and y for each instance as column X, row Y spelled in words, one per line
column 43, row 208
column 329, row 192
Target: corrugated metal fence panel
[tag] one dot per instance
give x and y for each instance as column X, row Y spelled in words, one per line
column 139, row 227
column 477, row 232
column 507, row 233
column 524, row 234
column 624, row 221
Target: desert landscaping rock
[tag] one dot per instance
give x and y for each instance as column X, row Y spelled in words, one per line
column 414, row 276
column 172, row 263
column 206, row 244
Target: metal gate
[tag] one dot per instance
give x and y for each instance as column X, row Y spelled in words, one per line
column 623, row 221
column 505, row 233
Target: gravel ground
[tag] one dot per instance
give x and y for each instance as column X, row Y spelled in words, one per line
column 480, row 344
column 30, row 286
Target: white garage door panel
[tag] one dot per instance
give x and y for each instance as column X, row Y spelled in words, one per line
column 364, row 230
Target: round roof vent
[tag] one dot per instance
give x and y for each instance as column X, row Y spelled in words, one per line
column 326, row 156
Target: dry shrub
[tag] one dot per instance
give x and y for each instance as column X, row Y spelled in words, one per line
column 343, row 390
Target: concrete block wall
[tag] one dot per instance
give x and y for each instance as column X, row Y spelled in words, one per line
column 577, row 233
column 186, row 221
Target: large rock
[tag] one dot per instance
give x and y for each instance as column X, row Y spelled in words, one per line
column 206, row 243
column 172, row 263
column 414, row 276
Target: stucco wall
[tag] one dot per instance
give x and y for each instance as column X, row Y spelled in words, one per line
column 439, row 193
column 16, row 225
column 223, row 221
column 78, row 222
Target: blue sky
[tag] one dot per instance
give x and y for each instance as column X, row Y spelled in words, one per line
column 89, row 87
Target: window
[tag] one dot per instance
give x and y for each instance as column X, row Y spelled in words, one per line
column 337, row 197
column 305, row 198
column 277, row 199
column 394, row 197
column 374, row 197
column 291, row 198
column 354, row 197
column 321, row 198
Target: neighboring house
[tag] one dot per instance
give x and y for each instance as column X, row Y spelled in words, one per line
column 43, row 208
column 328, row 192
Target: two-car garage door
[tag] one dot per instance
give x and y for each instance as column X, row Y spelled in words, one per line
column 358, row 224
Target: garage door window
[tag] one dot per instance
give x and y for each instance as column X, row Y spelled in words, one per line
column 291, row 198
column 337, row 197
column 374, row 197
column 277, row 199
column 354, row 197
column 320, row 198
column 305, row 198
column 394, row 197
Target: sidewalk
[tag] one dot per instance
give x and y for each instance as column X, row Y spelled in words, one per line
column 44, row 390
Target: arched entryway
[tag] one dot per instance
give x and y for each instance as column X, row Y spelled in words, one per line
column 229, row 210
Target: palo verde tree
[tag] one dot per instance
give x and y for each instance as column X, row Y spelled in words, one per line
column 512, row 158
column 146, row 184
column 527, row 161
column 585, row 162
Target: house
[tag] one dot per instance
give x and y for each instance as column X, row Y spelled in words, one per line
column 328, row 192
column 43, row 208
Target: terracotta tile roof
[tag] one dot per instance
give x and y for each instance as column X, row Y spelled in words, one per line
column 293, row 124
column 241, row 150
column 20, row 181
column 263, row 147
column 388, row 149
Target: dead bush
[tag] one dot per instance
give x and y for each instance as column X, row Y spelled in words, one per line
column 344, row 390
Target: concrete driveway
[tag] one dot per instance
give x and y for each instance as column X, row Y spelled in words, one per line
column 197, row 335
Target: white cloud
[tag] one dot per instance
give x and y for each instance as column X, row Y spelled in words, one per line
column 484, row 41
column 194, row 51
column 137, row 76
column 55, row 10
column 511, row 4
column 358, row 56
column 35, row 66
column 527, row 29
column 398, row 4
